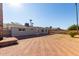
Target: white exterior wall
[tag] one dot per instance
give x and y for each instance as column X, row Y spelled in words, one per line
column 28, row 31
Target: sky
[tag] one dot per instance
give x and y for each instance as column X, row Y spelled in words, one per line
column 56, row 15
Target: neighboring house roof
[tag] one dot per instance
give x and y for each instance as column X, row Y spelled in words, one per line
column 9, row 25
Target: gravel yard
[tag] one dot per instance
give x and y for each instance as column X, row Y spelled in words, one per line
column 51, row 45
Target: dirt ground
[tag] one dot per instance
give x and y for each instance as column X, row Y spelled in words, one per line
column 51, row 45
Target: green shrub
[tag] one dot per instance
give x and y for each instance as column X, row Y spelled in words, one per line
column 72, row 33
column 73, row 27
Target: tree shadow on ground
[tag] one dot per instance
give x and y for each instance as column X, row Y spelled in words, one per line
column 8, row 45
column 76, row 37
column 29, row 36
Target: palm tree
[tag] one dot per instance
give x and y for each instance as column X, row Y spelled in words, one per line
column 31, row 23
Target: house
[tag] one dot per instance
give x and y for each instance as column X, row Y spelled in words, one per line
column 14, row 29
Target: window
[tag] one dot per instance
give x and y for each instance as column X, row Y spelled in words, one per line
column 21, row 29
column 42, row 30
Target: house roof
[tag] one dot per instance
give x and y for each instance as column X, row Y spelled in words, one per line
column 16, row 25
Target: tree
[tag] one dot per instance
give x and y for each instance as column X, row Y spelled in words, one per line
column 73, row 27
column 50, row 27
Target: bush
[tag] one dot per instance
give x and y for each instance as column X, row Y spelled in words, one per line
column 73, row 27
column 72, row 33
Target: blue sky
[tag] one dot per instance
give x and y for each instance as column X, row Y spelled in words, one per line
column 43, row 14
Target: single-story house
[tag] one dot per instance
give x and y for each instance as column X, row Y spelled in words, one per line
column 21, row 30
